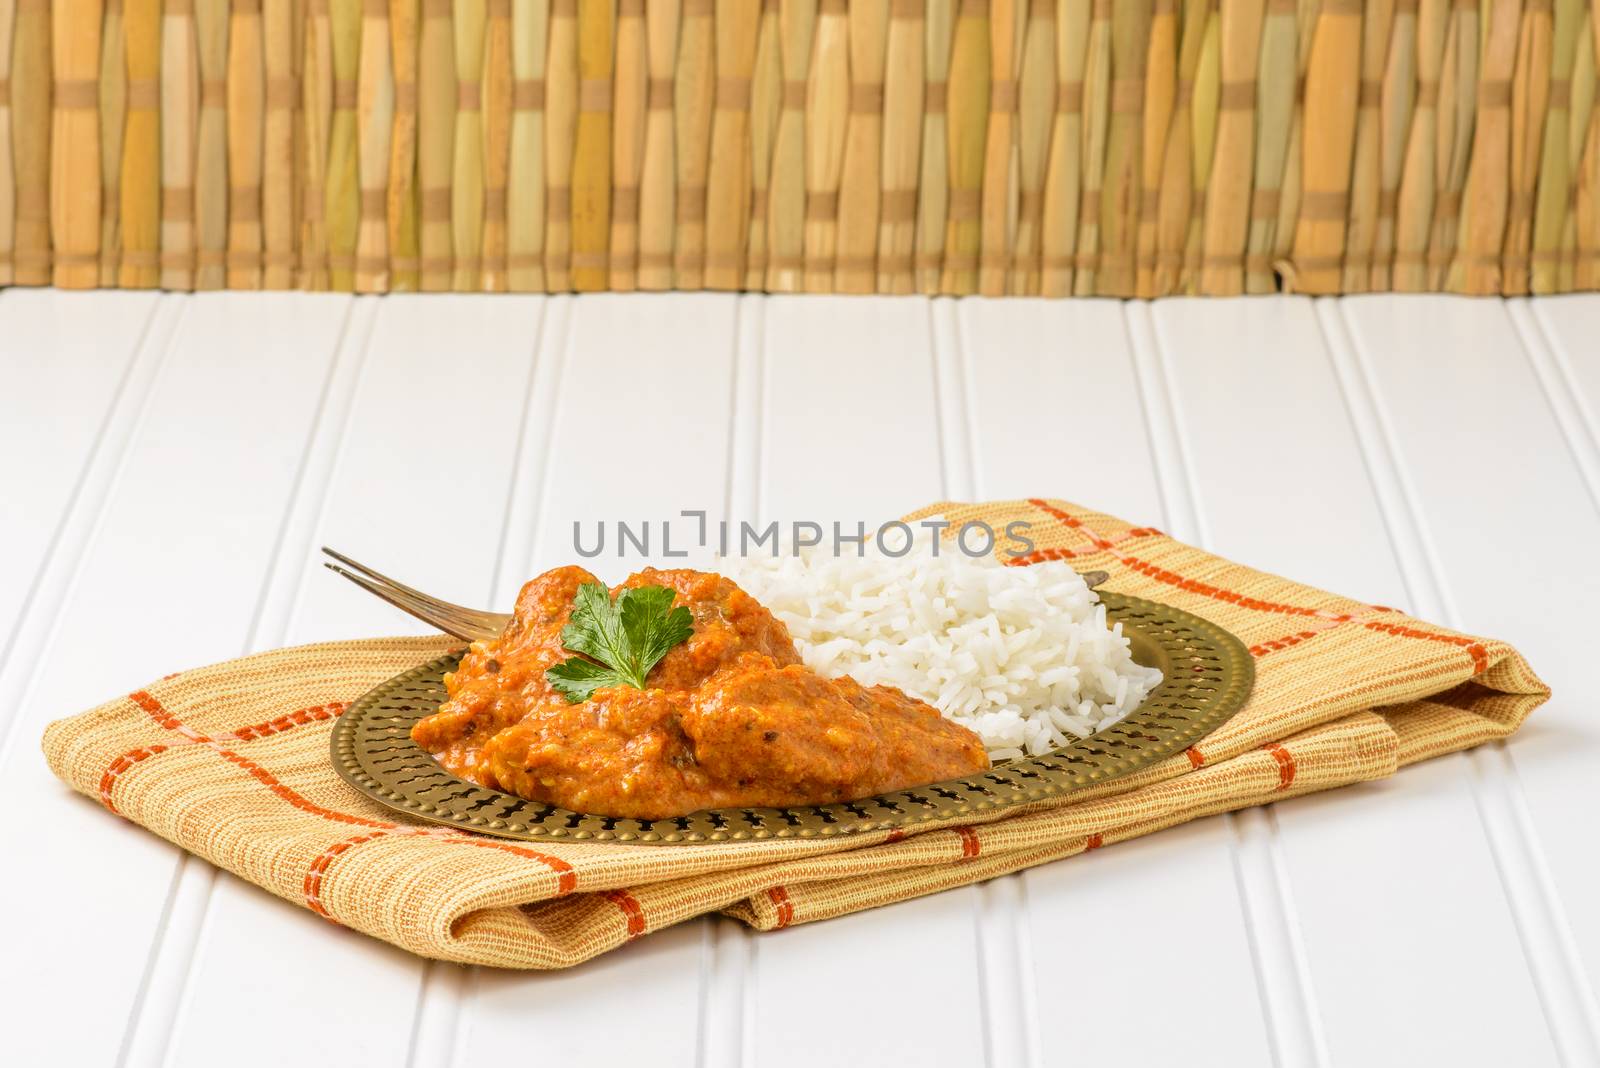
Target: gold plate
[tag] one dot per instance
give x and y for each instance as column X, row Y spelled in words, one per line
column 1207, row 674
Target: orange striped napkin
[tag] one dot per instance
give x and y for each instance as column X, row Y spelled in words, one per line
column 231, row 763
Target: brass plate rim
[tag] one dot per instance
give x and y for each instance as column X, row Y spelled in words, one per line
column 374, row 753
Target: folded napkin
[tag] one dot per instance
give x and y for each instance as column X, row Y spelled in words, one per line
column 231, row 763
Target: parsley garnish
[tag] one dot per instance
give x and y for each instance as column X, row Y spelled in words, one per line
column 624, row 638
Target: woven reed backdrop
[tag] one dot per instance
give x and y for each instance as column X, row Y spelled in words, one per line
column 1054, row 147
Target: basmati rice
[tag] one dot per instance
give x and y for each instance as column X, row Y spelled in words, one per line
column 1022, row 656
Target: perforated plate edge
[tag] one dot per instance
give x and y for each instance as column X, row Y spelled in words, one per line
column 1207, row 677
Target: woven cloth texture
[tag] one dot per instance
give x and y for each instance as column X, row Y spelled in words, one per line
column 231, row 763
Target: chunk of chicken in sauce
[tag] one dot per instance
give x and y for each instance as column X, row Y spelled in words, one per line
column 730, row 718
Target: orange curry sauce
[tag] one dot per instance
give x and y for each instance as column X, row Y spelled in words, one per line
column 731, row 717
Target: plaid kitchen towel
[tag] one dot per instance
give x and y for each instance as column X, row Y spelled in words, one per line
column 231, row 763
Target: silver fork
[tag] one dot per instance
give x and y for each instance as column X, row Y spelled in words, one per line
column 470, row 623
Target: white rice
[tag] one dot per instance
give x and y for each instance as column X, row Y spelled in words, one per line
column 1020, row 655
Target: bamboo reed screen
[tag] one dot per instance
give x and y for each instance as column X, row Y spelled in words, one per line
column 1051, row 147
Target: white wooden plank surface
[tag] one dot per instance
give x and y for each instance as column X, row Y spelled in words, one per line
column 726, row 1031
column 1507, row 530
column 64, row 374
column 171, row 578
column 377, row 466
column 1272, row 451
column 1562, row 338
column 1573, row 326
column 203, row 446
column 1294, row 1022
column 1056, row 410
column 665, row 449
column 81, row 383
column 850, row 434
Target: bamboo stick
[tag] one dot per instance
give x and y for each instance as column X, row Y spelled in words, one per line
column 470, row 25
column 279, row 178
column 1398, row 99
column 933, row 180
column 316, row 109
column 1120, row 190
column 1578, row 134
column 300, row 144
column 245, row 110
column 1450, row 162
column 627, row 144
column 179, row 117
column 1306, row 20
column 1176, row 196
column 560, row 126
column 827, row 112
column 1227, row 223
column 30, row 144
column 658, row 174
column 8, row 187
column 968, row 108
column 1554, row 193
column 1207, row 105
column 861, row 174
column 1160, row 94
column 797, row 21
column 996, row 198
column 113, row 78
column 1585, row 98
column 1475, row 268
column 530, row 28
column 1419, row 175
column 1333, row 78
column 466, row 175
column 31, row 125
column 1097, row 111
column 1530, row 100
column 342, row 192
column 1064, row 170
column 728, row 185
column 1366, row 162
column 766, row 99
column 1276, row 96
column 75, row 143
column 400, row 193
column 211, row 145
column 436, row 134
column 903, row 95
column 591, row 163
column 1458, row 92
column 1586, row 207
column 693, row 94
column 1036, row 106
column 375, row 121
column 497, row 105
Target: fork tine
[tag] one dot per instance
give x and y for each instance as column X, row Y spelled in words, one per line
column 420, row 609
column 433, row 610
column 490, row 621
column 1092, row 579
column 427, row 611
column 467, row 622
column 392, row 596
column 356, row 565
column 400, row 594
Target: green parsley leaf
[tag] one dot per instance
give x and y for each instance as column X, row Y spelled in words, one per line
column 623, row 639
column 577, row 679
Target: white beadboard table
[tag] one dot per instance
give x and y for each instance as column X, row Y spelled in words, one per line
column 173, row 462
